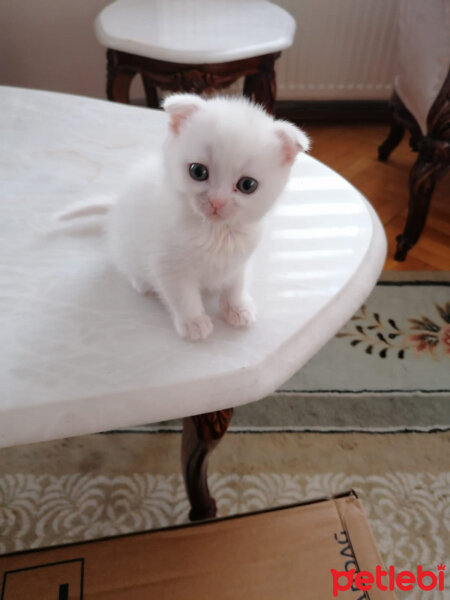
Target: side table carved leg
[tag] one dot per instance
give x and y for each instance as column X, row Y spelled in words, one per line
column 201, row 434
column 118, row 79
column 391, row 142
column 151, row 93
column 262, row 87
column 431, row 164
column 422, row 179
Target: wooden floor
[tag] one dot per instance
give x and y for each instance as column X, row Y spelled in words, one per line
column 351, row 149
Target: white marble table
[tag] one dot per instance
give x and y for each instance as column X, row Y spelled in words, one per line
column 80, row 351
column 193, row 45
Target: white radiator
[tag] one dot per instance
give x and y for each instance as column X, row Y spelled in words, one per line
column 343, row 50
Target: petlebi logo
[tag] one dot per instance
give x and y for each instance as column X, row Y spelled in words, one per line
column 388, row 580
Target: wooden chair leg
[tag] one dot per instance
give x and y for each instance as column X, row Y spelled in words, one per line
column 422, row 179
column 201, row 434
column 391, row 142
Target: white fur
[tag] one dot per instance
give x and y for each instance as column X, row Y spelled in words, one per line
column 100, row 206
column 177, row 236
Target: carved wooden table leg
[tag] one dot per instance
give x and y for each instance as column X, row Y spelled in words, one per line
column 118, row 79
column 431, row 164
column 400, row 120
column 422, row 179
column 261, row 86
column 151, row 92
column 391, row 142
column 433, row 160
column 201, row 434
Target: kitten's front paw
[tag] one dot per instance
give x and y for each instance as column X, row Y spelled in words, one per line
column 239, row 315
column 195, row 329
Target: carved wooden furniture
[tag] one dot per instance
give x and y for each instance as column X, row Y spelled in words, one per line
column 421, row 104
column 184, row 47
column 81, row 352
column 201, row 434
column 122, row 67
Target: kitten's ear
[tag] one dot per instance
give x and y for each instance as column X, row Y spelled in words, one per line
column 293, row 141
column 180, row 107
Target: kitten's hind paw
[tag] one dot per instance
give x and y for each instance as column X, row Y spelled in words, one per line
column 195, row 329
column 239, row 315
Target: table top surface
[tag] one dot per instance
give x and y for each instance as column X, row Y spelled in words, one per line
column 80, row 351
column 195, row 31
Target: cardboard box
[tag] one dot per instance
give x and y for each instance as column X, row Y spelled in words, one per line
column 281, row 554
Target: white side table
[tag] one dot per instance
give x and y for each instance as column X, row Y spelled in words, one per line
column 81, row 352
column 193, row 46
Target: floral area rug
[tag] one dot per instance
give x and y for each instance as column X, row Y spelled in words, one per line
column 371, row 412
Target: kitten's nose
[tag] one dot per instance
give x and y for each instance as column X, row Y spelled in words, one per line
column 217, row 203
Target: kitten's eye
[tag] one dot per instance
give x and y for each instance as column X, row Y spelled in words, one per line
column 247, row 185
column 198, row 172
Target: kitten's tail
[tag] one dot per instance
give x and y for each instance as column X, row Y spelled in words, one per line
column 85, row 209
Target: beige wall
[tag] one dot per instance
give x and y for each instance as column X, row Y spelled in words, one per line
column 50, row 44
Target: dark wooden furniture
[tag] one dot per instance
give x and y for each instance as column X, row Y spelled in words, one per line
column 432, row 162
column 201, row 434
column 122, row 67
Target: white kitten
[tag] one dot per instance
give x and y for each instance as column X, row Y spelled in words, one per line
column 189, row 220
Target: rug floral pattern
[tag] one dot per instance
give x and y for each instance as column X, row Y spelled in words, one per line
column 380, row 334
